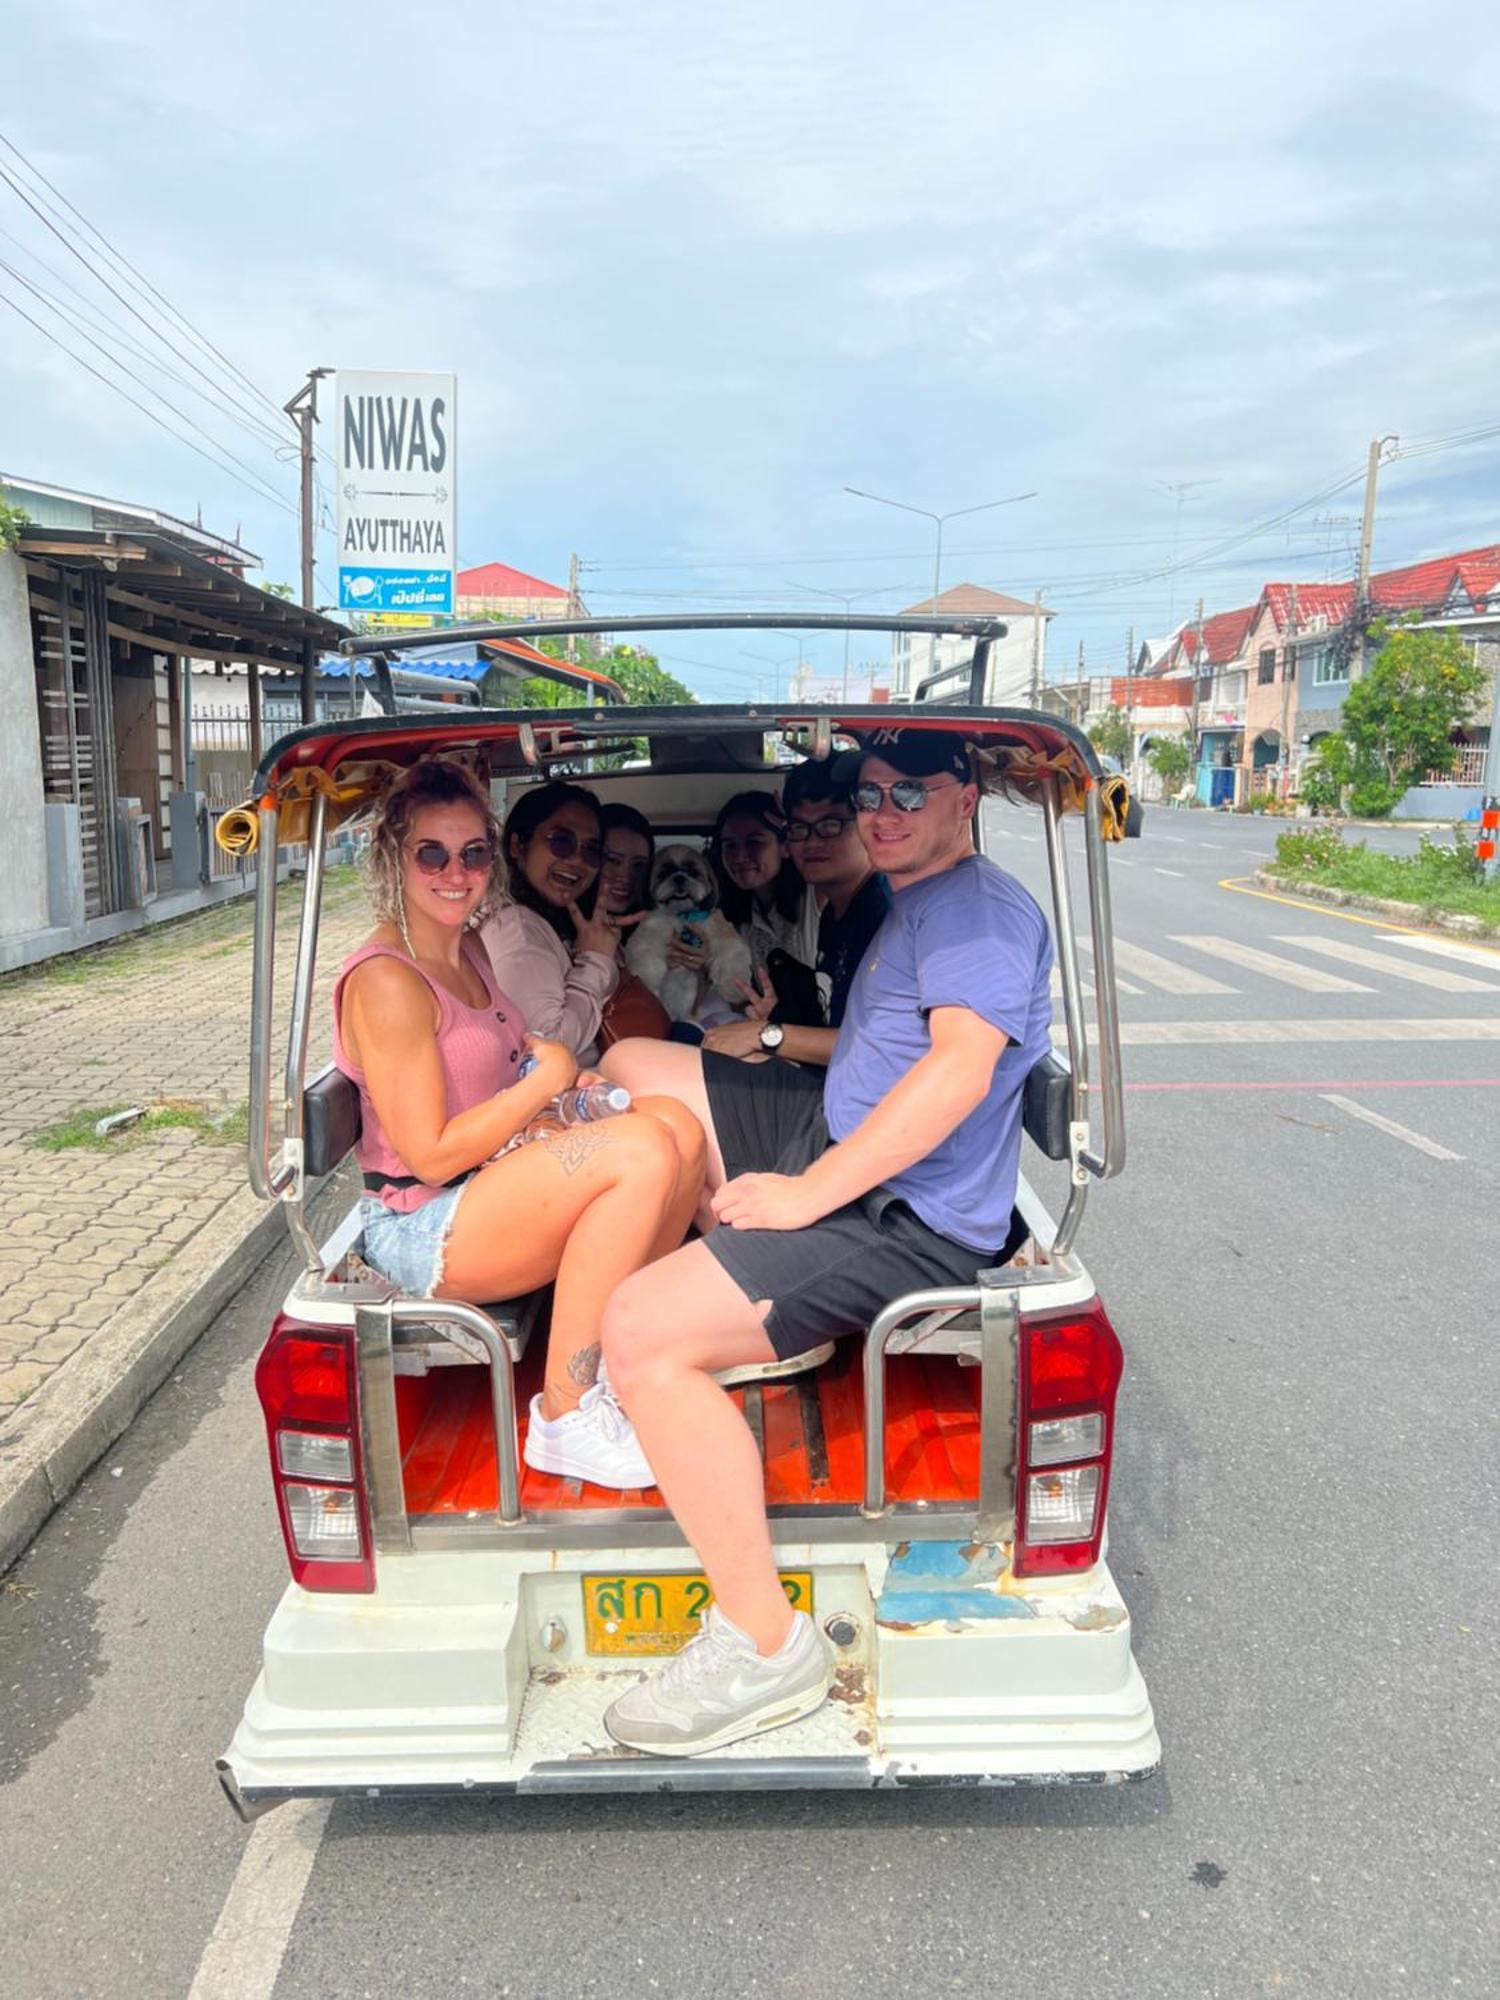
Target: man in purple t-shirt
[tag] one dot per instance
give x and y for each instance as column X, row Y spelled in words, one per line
column 829, row 1197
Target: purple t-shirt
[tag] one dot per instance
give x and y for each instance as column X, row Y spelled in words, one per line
column 970, row 937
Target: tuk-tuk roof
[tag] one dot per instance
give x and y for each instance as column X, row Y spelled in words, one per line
column 516, row 740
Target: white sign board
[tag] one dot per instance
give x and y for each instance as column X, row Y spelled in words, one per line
column 394, row 443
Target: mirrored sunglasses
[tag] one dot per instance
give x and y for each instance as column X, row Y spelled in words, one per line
column 563, row 844
column 907, row 795
column 432, row 857
column 824, row 829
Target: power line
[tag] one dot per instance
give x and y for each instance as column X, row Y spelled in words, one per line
column 115, row 362
column 171, row 431
column 123, row 264
column 86, row 314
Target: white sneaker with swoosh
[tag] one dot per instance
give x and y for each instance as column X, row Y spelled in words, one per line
column 719, row 1688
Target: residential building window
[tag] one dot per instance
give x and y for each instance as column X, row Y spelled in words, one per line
column 1327, row 669
column 1265, row 671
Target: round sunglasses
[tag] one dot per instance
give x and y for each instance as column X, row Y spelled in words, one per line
column 824, row 829
column 562, row 843
column 432, row 857
column 907, row 795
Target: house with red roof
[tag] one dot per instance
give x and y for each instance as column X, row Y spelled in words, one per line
column 493, row 593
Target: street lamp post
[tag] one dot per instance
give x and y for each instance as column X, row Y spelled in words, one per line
column 779, row 665
column 848, row 598
column 940, row 520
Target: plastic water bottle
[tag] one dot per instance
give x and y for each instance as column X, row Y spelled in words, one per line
column 584, row 1104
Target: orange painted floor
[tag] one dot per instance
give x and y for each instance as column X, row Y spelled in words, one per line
column 811, row 1432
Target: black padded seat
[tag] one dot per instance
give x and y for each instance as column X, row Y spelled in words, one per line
column 1047, row 1105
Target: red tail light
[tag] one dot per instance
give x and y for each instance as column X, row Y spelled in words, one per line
column 308, row 1386
column 1070, row 1370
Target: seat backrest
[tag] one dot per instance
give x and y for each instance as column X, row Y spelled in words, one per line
column 330, row 1120
column 1047, row 1105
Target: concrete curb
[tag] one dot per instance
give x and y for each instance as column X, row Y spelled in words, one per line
column 53, row 1439
column 1381, row 906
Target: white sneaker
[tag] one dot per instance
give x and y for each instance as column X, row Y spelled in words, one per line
column 595, row 1442
column 720, row 1688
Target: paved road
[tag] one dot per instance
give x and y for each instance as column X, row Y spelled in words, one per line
column 1302, row 1522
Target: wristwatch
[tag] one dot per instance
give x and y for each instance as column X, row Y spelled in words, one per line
column 772, row 1035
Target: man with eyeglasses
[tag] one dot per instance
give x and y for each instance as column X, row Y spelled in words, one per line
column 835, row 864
column 830, row 1198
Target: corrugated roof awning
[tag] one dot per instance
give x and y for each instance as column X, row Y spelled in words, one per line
column 163, row 596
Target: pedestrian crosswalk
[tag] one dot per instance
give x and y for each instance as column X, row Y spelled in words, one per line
column 1392, row 965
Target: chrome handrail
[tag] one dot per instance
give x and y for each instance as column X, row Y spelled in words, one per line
column 502, row 1387
column 955, row 1298
column 1111, row 1074
column 262, row 992
column 1066, row 940
column 299, row 1031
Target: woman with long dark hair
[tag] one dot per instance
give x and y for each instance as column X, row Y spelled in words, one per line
column 761, row 891
column 559, row 963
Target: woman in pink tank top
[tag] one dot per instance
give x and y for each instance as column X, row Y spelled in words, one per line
column 435, row 1048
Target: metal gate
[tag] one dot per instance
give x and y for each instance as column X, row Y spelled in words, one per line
column 76, row 710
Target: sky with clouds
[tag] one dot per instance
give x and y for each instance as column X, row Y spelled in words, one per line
column 698, row 271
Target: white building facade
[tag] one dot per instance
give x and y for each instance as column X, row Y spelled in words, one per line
column 1017, row 662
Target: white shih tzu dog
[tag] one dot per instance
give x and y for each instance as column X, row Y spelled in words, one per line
column 685, row 897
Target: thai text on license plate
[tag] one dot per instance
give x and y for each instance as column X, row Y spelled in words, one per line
column 646, row 1615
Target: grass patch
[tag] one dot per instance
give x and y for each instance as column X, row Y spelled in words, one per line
column 1440, row 879
column 76, row 1131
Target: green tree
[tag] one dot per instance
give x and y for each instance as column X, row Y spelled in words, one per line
column 646, row 683
column 1110, row 734
column 12, row 520
column 1324, row 775
column 1171, row 759
column 1399, row 717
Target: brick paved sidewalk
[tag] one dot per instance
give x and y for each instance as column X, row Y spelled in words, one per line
column 163, row 1020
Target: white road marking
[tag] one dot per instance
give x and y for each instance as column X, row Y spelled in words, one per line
column 1147, row 1034
column 242, row 1959
column 1435, row 976
column 1164, row 973
column 1121, row 862
column 1176, row 839
column 1175, row 873
column 1212, row 844
column 1254, row 853
column 1388, row 1125
column 1284, row 969
column 1441, row 947
column 1121, row 985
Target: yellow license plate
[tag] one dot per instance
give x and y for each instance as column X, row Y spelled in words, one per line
column 648, row 1615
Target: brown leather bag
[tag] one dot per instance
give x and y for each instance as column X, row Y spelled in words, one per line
column 632, row 1010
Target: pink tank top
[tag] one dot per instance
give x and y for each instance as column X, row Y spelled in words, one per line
column 480, row 1047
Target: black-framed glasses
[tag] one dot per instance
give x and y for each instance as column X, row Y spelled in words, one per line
column 907, row 795
column 824, row 829
column 432, row 857
column 562, row 843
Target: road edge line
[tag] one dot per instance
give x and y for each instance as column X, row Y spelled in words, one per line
column 56, row 1436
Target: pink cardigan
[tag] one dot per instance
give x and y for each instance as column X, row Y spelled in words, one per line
column 561, row 993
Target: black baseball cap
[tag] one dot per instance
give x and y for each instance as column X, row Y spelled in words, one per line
column 915, row 753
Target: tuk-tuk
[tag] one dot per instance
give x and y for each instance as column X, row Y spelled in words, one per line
column 938, row 1492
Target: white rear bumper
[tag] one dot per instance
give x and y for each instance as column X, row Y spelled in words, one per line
column 466, row 1671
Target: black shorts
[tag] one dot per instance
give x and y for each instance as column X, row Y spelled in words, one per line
column 833, row 1278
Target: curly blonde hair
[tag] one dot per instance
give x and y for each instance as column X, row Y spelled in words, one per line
column 433, row 781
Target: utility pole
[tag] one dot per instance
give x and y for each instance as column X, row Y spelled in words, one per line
column 1036, row 649
column 1130, row 705
column 575, row 603
column 1288, row 669
column 303, row 411
column 1489, row 814
column 1081, row 692
column 1195, row 668
column 1366, row 544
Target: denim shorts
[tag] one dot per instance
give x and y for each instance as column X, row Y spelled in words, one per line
column 408, row 1246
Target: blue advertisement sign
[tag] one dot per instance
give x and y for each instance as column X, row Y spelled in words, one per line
column 362, row 588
